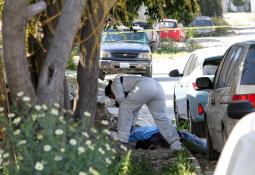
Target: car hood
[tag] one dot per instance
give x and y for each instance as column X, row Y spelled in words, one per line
column 124, row 46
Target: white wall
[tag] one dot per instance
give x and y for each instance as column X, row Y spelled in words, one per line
column 252, row 5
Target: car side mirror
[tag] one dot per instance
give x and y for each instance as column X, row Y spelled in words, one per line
column 175, row 73
column 238, row 109
column 204, row 83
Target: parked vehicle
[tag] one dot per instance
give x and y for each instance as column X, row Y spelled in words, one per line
column 125, row 51
column 237, row 156
column 152, row 33
column 203, row 22
column 189, row 103
column 233, row 81
column 171, row 29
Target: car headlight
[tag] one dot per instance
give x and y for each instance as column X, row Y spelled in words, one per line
column 104, row 54
column 145, row 55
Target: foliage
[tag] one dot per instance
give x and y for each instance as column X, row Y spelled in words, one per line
column 210, row 7
column 71, row 63
column 182, row 166
column 182, row 10
column 239, row 2
column 219, row 21
column 39, row 140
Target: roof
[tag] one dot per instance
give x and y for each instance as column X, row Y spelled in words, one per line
column 203, row 17
column 210, row 52
column 170, row 20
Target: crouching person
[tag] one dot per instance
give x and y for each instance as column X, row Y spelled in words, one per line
column 131, row 93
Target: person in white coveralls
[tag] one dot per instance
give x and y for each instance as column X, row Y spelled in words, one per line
column 131, row 93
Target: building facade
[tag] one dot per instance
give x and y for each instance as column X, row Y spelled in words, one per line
column 228, row 6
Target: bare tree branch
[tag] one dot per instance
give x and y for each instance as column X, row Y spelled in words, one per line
column 35, row 9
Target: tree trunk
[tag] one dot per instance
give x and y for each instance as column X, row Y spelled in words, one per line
column 88, row 68
column 3, row 92
column 14, row 49
column 51, row 78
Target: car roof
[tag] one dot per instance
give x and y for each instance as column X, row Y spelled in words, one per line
column 210, row 52
column 123, row 28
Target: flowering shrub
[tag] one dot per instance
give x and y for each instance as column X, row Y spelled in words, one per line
column 40, row 140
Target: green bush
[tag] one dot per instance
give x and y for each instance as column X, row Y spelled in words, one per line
column 39, row 140
column 219, row 21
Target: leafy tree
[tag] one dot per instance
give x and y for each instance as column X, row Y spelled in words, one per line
column 211, row 7
column 239, row 2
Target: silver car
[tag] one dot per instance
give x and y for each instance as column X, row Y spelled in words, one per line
column 189, row 103
column 234, row 80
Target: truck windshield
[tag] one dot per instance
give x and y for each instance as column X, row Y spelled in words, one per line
column 132, row 37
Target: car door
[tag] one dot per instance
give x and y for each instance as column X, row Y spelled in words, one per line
column 216, row 107
column 181, row 86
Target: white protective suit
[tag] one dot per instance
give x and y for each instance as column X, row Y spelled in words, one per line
column 141, row 90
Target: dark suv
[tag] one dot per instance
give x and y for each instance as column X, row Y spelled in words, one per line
column 125, row 51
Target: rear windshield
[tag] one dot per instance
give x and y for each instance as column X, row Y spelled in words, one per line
column 248, row 75
column 168, row 24
column 210, row 65
column 203, row 23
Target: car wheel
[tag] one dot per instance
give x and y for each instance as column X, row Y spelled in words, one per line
column 197, row 128
column 212, row 154
column 148, row 72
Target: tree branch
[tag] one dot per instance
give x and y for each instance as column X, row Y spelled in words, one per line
column 35, row 9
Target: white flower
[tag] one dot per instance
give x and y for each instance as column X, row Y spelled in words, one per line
column 82, row 173
column 93, row 130
column 20, row 158
column 106, row 131
column 26, row 99
column 54, row 112
column 113, row 150
column 88, row 142
column 47, row 148
column 39, row 166
column 22, row 142
column 38, row 107
column 59, row 132
column 81, row 150
column 108, row 161
column 20, row 94
column 6, row 163
column 56, row 105
column 44, row 107
column 1, row 109
column 104, row 122
column 5, row 155
column 62, row 150
column 16, row 120
column 11, row 115
column 123, row 147
column 107, row 146
column 93, row 171
column 16, row 132
column 58, row 158
column 34, row 117
column 91, row 147
column 101, row 151
column 87, row 114
column 39, row 136
column 85, row 134
column 73, row 142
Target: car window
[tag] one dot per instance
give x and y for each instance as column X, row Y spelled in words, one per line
column 210, row 65
column 193, row 64
column 248, row 74
column 168, row 24
column 222, row 81
column 203, row 23
column 233, row 64
column 186, row 68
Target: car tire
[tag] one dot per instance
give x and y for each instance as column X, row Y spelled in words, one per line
column 197, row 128
column 212, row 154
column 148, row 72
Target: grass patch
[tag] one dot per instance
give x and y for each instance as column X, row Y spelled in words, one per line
column 182, row 166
